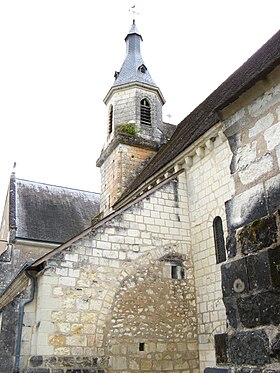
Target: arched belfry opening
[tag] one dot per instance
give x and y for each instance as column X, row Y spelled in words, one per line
column 110, row 119
column 145, row 112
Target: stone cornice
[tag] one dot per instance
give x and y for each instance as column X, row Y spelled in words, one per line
column 126, row 140
column 139, row 85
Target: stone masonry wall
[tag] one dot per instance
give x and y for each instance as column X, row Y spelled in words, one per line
column 254, row 136
column 209, row 186
column 250, row 277
column 86, row 294
column 118, row 169
column 165, row 337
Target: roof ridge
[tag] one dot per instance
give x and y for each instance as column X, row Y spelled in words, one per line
column 56, row 186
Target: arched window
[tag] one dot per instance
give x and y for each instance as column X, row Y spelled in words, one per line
column 110, row 120
column 219, row 240
column 145, row 112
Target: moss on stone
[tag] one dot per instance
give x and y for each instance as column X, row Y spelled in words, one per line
column 127, row 129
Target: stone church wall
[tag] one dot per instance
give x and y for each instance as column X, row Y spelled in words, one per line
column 209, row 186
column 254, row 135
column 250, row 277
column 122, row 298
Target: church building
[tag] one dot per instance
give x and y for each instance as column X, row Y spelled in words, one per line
column 178, row 271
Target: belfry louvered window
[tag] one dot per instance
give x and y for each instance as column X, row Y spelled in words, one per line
column 219, row 240
column 110, row 120
column 145, row 116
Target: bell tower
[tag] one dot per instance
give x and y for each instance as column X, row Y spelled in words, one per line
column 134, row 123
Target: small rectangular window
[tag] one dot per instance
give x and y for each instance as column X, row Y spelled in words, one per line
column 141, row 346
column 177, row 272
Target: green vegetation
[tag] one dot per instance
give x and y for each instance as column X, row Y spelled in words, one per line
column 126, row 129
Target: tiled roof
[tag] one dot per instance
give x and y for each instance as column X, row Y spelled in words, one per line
column 133, row 68
column 205, row 115
column 51, row 213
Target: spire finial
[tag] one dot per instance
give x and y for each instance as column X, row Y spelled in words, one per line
column 133, row 10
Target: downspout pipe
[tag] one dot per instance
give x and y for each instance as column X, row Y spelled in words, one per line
column 21, row 316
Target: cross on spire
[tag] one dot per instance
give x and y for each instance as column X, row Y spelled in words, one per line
column 133, row 10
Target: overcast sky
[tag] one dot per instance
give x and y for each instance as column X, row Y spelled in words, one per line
column 58, row 59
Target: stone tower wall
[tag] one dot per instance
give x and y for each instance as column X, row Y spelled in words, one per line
column 119, row 168
column 122, row 163
column 126, row 104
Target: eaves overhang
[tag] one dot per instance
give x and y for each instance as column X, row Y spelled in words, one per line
column 135, row 84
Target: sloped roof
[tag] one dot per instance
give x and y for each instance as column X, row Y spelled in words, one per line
column 133, row 68
column 49, row 213
column 205, row 115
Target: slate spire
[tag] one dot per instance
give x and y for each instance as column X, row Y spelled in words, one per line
column 133, row 68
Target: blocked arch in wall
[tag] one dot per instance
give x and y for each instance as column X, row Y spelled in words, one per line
column 152, row 312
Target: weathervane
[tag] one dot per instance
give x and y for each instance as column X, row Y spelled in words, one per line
column 132, row 9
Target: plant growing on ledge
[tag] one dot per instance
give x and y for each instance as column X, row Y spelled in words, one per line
column 127, row 129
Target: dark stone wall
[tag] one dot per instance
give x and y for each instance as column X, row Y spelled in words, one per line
column 65, row 364
column 251, row 294
column 8, row 336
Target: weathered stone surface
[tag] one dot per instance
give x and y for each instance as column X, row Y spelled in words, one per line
column 231, row 311
column 234, row 277
column 261, row 125
column 275, row 347
column 245, row 155
column 8, row 335
column 221, row 347
column 273, row 191
column 272, row 136
column 217, row 370
column 260, row 234
column 263, row 269
column 246, row 207
column 235, row 123
column 36, row 361
column 249, row 348
column 257, row 169
column 264, row 102
column 247, row 370
column 231, row 244
column 259, row 309
column 277, row 150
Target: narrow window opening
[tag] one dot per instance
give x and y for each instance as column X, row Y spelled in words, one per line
column 145, row 112
column 219, row 240
column 177, row 272
column 141, row 346
column 110, row 120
